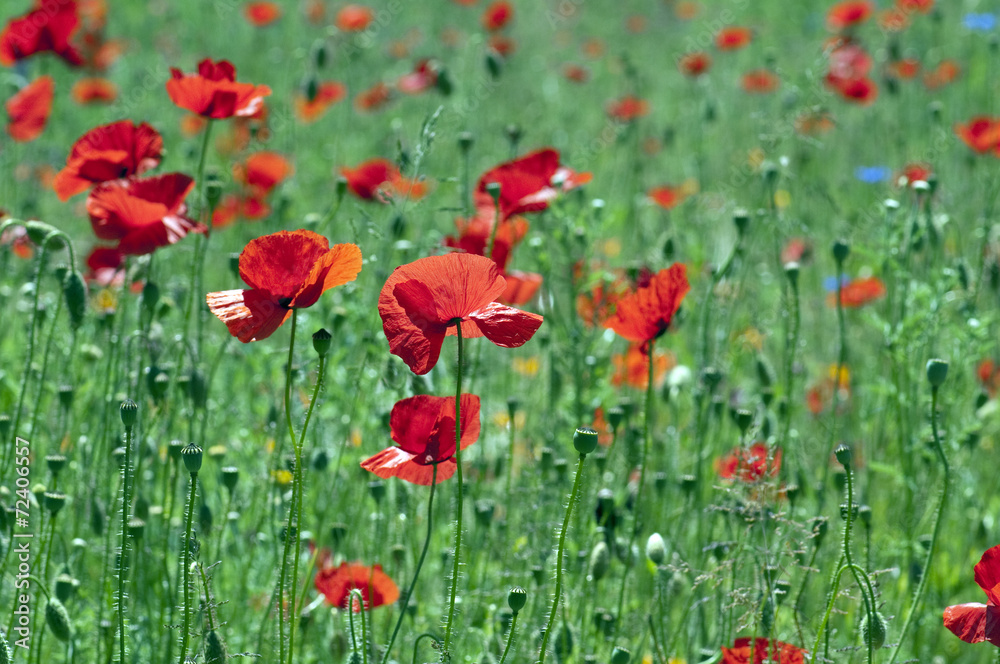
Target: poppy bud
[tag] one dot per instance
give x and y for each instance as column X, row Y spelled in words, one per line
column 840, row 251
column 443, row 82
column 150, row 296
column 484, row 512
column 517, row 598
column 660, row 481
column 741, row 218
column 465, row 141
column 656, row 549
column 129, row 411
column 615, row 416
column 792, row 272
column 75, row 292
column 600, row 561
column 5, row 425
column 215, row 649
column 96, row 516
column 820, row 526
column 321, row 342
column 844, row 455
column 55, row 462
column 865, row 513
column 562, row 645
column 547, row 459
column 205, row 517
column 198, row 389
column 54, row 502
column 319, row 53
column 191, row 454
column 585, row 440
column 934, row 109
column 40, row 232
column 873, row 632
column 57, row 618
column 493, row 189
column 937, row 371
column 767, row 615
column 620, row 655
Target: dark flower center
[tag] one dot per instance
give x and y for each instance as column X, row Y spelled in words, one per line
column 284, row 302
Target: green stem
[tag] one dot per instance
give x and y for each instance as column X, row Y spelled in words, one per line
column 289, row 526
column 559, row 561
column 416, row 643
column 123, row 558
column 510, row 638
column 355, row 593
column 869, row 596
column 446, row 651
column 29, row 355
column 186, row 563
column 420, row 564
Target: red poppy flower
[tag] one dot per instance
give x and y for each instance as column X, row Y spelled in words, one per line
column 521, row 287
column 627, row 108
column 858, row 292
column 982, row 134
column 262, row 172
column 893, row 19
column 354, row 18
column 922, row 6
column 232, row 207
column 142, row 214
column 858, row 90
column 645, row 314
column 975, row 622
column 502, row 45
column 423, row 77
column 423, row 427
column 694, row 64
column 528, row 183
column 328, row 93
column 665, row 196
column 749, row 464
column 47, row 27
column 988, row 373
column 918, row 172
column 285, row 270
column 797, row 250
column 108, row 152
column 848, row 14
column 576, row 73
column 104, row 267
column 474, row 233
column 214, row 93
column 373, row 98
column 848, row 61
column 733, row 38
column 94, row 91
column 29, row 109
column 497, row 15
column 597, row 306
column 261, row 14
column 813, row 123
column 632, row 368
column 423, row 301
column 760, row 81
column 379, row 179
column 904, row 69
column 764, row 650
column 336, row 584
column 946, row 72
column 687, row 10
column 636, row 24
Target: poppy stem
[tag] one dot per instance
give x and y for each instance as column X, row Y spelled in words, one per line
column 356, row 593
column 868, row 596
column 420, row 564
column 290, row 526
column 446, row 650
column 510, row 637
column 186, row 567
column 123, row 556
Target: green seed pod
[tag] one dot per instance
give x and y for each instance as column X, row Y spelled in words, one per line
column 55, row 462
column 465, row 141
column 443, row 82
column 75, row 292
column 198, row 389
column 321, row 342
column 191, row 454
column 5, row 425
column 841, row 250
column 215, row 648
column 873, row 633
column 585, row 440
column 937, row 372
column 517, row 598
column 230, row 475
column 129, row 411
column 57, row 618
column 600, row 561
column 741, row 219
column 844, row 455
column 54, row 502
column 620, row 655
column 494, row 64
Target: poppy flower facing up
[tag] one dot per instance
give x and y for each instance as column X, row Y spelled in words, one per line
column 45, row 28
column 422, row 302
column 848, row 14
column 285, row 270
column 142, row 215
column 733, row 38
column 328, row 93
column 336, row 584
column 645, row 314
column 29, row 109
column 214, row 93
column 981, row 134
column 764, row 650
column 423, row 427
column 528, row 183
column 261, row 14
column 858, row 292
column 108, row 152
column 975, row 622
column 379, row 179
column 627, row 108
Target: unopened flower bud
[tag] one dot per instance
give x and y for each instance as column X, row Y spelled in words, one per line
column 656, row 549
column 57, row 618
column 600, row 561
column 75, row 292
column 873, row 632
column 321, row 342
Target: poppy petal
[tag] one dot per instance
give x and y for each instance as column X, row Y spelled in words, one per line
column 967, row 621
column 414, row 331
column 521, row 287
column 339, row 265
column 394, row 462
column 281, row 262
column 506, row 326
column 988, row 574
column 250, row 315
column 29, row 109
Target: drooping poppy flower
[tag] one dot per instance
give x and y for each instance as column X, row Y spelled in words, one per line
column 336, row 584
column 946, row 72
column 94, row 91
column 975, row 622
column 423, row 427
column 694, row 64
column 328, row 93
column 373, row 98
column 354, row 18
column 379, row 179
column 285, row 270
column 760, row 81
column 261, row 14
column 632, row 368
column 627, row 108
column 981, row 133
column 665, row 196
column 108, row 152
column 497, row 15
column 142, row 214
column 423, row 77
column 764, row 650
column 848, row 13
column 47, row 27
column 424, row 301
column 749, row 464
column 214, row 93
column 262, row 172
column 645, row 314
column 528, row 183
column 858, row 292
column 733, row 38
column 29, row 109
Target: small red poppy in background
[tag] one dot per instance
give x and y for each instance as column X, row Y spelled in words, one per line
column 502, row 45
column 94, row 91
column 108, row 152
column 975, row 622
column 598, row 305
column 749, row 464
column 474, row 233
column 627, row 108
column 576, row 73
column 46, row 28
column 733, row 38
column 760, row 81
column 981, row 133
column 665, row 196
column 423, row 77
column 422, row 302
column 232, row 207
column 373, row 98
column 262, row 172
column 530, row 182
column 328, row 93
column 814, row 123
column 632, row 368
column 922, row 6
column 285, row 270
column 142, row 214
column 858, row 292
column 423, row 427
column 498, row 15
column 763, row 650
column 848, row 14
column 29, row 109
column 988, row 373
column 916, row 172
column 946, row 72
column 893, row 19
column 354, row 18
column 261, row 14
column 694, row 64
column 17, row 238
column 336, row 584
column 797, row 250
column 862, row 91
column 214, row 93
column 904, row 69
column 379, row 179
column 645, row 314
column 104, row 267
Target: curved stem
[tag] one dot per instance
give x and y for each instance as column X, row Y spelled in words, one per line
column 416, row 643
column 360, row 598
column 559, row 560
column 420, row 564
column 446, row 652
column 186, row 562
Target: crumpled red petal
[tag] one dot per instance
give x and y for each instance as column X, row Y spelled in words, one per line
column 988, row 574
column 967, row 621
column 506, row 326
column 250, row 315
